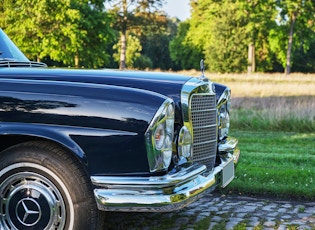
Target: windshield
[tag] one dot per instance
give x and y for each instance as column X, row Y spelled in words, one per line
column 9, row 51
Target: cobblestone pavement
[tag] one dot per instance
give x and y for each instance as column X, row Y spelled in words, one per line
column 223, row 212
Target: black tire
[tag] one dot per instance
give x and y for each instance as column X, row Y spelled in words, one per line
column 43, row 187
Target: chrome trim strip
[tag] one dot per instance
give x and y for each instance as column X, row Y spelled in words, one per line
column 156, row 194
column 168, row 180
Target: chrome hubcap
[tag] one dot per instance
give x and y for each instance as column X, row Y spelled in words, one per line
column 31, row 201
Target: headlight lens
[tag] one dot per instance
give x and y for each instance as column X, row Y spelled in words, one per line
column 224, row 121
column 159, row 137
column 185, row 143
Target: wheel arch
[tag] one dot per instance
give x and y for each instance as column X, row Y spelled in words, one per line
column 11, row 135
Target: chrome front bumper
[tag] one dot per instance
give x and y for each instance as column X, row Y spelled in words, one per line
column 164, row 193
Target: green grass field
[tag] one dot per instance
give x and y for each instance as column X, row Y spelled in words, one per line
column 275, row 164
column 273, row 116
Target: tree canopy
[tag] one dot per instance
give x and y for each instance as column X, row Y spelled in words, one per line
column 61, row 30
column 224, row 31
column 231, row 35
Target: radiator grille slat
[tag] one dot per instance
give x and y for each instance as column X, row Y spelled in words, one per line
column 203, row 120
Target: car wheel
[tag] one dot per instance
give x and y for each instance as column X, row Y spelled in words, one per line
column 43, row 187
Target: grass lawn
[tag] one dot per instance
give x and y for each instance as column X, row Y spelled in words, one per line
column 276, row 164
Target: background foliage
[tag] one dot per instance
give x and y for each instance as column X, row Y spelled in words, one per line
column 90, row 33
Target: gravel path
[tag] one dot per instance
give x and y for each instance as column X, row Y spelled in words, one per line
column 223, row 212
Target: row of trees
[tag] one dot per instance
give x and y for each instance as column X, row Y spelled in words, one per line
column 91, row 33
column 231, row 35
column 236, row 35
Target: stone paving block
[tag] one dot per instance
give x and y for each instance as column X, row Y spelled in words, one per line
column 226, row 208
column 216, row 219
column 287, row 206
column 253, row 223
column 222, row 212
column 270, row 224
column 310, row 210
column 269, row 207
column 205, row 214
column 286, row 217
column 303, row 215
column 213, row 209
column 242, row 214
column 282, row 210
column 272, row 214
column 282, row 227
column 246, row 208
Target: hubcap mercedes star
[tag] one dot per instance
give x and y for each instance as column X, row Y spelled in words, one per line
column 28, row 212
column 31, row 201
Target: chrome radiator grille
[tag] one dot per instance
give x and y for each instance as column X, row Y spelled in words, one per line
column 203, row 119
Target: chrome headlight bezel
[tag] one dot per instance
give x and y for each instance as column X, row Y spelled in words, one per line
column 223, row 122
column 223, row 108
column 185, row 144
column 159, row 137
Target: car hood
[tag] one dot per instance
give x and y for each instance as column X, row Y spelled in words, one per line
column 167, row 84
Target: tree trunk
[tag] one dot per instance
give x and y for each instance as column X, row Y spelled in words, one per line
column 289, row 50
column 251, row 59
column 123, row 39
column 76, row 61
column 123, row 46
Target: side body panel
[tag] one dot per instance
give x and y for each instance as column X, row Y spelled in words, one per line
column 103, row 125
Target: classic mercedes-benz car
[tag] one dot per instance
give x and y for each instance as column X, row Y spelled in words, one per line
column 73, row 142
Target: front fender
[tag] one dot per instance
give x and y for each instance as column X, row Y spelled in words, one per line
column 102, row 123
column 63, row 135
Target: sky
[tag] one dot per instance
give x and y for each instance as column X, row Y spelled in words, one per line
column 178, row 8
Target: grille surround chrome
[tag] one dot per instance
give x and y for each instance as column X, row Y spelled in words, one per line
column 200, row 116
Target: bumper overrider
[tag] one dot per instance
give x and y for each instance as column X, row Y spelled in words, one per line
column 165, row 193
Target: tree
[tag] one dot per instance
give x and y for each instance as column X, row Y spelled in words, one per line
column 74, row 32
column 129, row 15
column 259, row 21
column 183, row 52
column 155, row 40
column 133, row 50
column 225, row 30
column 219, row 29
column 295, row 12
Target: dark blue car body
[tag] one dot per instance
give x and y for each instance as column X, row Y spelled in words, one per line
column 143, row 141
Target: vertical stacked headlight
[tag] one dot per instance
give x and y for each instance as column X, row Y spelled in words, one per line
column 159, row 137
column 223, row 114
column 224, row 122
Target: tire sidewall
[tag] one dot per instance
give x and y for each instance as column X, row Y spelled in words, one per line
column 59, row 170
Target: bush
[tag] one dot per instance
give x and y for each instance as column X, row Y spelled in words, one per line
column 143, row 62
